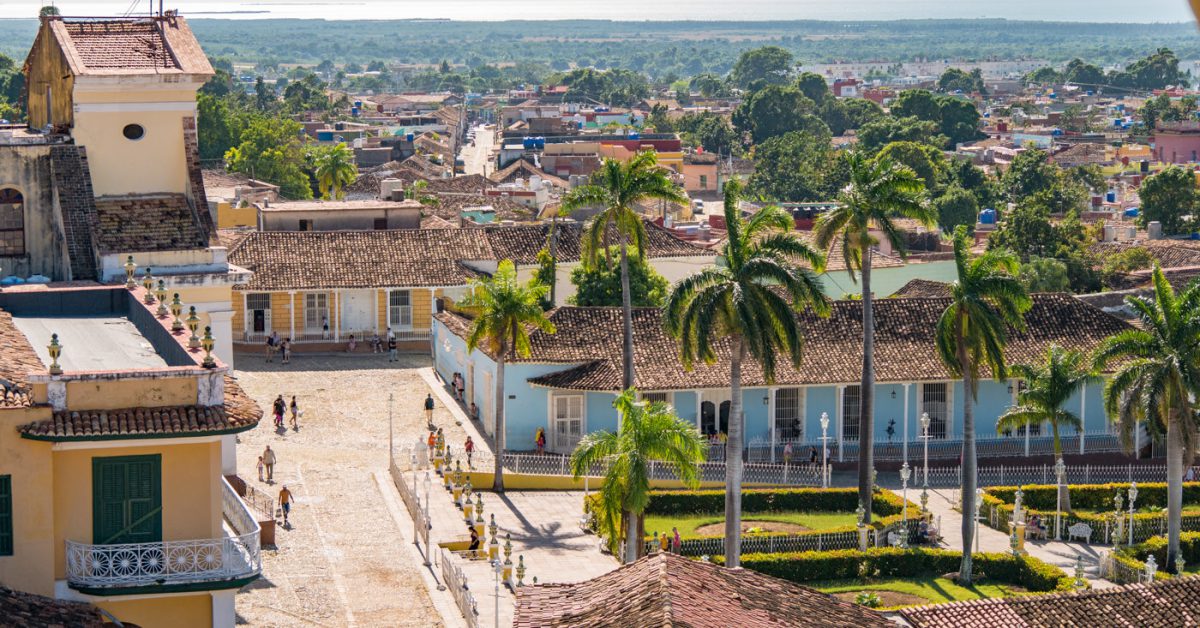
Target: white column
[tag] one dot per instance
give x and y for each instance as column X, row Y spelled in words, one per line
column 292, row 314
column 387, row 309
column 698, row 402
column 248, row 320
column 336, row 310
column 375, row 310
column 841, row 390
column 223, row 609
column 222, row 329
column 229, row 454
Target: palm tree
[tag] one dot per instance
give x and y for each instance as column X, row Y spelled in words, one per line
column 985, row 300
column 616, row 187
column 647, row 431
column 1047, row 389
column 880, row 191
column 746, row 300
column 505, row 311
column 334, row 170
column 1157, row 381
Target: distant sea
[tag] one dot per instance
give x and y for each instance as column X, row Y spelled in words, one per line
column 1144, row 11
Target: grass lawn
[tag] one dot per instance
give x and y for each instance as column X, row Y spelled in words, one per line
column 911, row 591
column 810, row 520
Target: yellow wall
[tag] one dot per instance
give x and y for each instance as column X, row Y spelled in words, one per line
column 48, row 68
column 422, row 304
column 132, row 393
column 229, row 216
column 155, row 163
column 191, row 496
column 185, row 611
column 31, row 567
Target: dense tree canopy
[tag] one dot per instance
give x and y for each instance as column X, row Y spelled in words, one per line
column 955, row 79
column 769, row 65
column 775, row 110
column 1170, row 197
column 798, row 166
column 599, row 284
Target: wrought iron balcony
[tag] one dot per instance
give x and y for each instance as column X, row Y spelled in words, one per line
column 230, row 560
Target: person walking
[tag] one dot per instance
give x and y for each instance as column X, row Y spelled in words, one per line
column 429, row 409
column 285, row 503
column 462, row 388
column 270, row 348
column 392, row 355
column 295, row 414
column 286, row 349
column 280, row 407
column 469, row 447
column 432, row 442
column 391, row 335
column 539, row 440
column 325, row 327
column 268, row 459
column 260, row 468
column 676, row 542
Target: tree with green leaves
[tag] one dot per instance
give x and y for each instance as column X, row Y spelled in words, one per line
column 795, row 167
column 957, row 79
column 884, row 130
column 599, row 284
column 1157, row 381
column 1047, row 388
column 880, row 191
column 334, row 169
column 750, row 302
column 774, row 111
column 269, row 149
column 986, row 300
column 925, row 160
column 955, row 207
column 1045, row 274
column 504, row 312
column 1084, row 74
column 1169, row 196
column 616, row 188
column 648, row 432
column 769, row 65
column 813, row 86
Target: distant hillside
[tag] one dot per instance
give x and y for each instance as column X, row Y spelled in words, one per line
column 661, row 48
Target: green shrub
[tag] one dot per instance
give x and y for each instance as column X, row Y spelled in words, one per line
column 683, row 503
column 1095, row 497
column 870, row 599
column 1189, row 549
column 883, row 563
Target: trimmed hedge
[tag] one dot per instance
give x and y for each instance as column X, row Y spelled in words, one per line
column 1135, row 557
column 1096, row 497
column 684, row 503
column 882, row 563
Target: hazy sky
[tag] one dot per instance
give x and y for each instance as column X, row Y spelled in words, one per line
column 1055, row 10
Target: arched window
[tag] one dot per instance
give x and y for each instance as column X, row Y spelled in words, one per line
column 12, row 223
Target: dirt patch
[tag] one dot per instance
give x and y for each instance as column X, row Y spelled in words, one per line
column 718, row 529
column 888, row 599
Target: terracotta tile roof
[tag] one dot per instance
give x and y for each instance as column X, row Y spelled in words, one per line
column 1169, row 253
column 521, row 244
column 130, row 46
column 467, row 184
column 26, row 610
column 238, row 413
column 400, row 258
column 922, row 289
column 667, row 590
column 17, row 360
column 451, row 204
column 1169, row 603
column 589, row 339
column 160, row 222
column 522, row 168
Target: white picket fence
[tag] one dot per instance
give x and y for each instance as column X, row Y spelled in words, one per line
column 1043, row 474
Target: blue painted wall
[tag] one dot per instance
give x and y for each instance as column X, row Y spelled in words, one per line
column 758, row 423
column 600, row 412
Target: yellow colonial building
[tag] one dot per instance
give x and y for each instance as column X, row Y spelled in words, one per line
column 108, row 165
column 117, row 433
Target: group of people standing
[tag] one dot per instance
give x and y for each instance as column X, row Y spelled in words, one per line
column 280, row 407
column 282, row 347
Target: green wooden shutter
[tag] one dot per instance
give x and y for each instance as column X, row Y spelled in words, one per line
column 6, row 516
column 127, row 499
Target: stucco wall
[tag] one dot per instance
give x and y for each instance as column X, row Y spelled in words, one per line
column 184, row 611
column 31, row 567
column 28, row 170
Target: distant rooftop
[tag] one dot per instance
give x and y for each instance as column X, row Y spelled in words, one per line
column 316, row 206
column 90, row 343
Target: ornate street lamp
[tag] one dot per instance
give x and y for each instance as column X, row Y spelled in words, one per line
column 824, row 450
column 1151, row 569
column 1133, row 492
column 1060, row 471
column 1117, row 531
column 925, row 437
column 905, row 473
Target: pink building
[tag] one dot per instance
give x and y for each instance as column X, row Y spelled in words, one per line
column 1178, row 143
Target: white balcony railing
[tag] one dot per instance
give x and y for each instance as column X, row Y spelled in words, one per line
column 172, row 562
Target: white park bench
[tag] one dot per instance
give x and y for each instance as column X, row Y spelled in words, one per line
column 1080, row 530
column 893, row 539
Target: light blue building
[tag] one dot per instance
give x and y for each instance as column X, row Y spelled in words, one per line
column 568, row 383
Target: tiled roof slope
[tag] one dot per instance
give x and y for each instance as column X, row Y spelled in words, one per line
column 521, row 244
column 26, row 610
column 163, row 45
column 159, row 222
column 294, row 260
column 922, row 289
column 17, row 360
column 238, row 413
column 1169, row 253
column 590, row 339
column 1170, row 603
column 667, row 590
column 73, row 179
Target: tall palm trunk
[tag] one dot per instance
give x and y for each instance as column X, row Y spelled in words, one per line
column 627, row 317
column 1064, row 494
column 969, row 481
column 633, row 537
column 498, row 469
column 866, row 391
column 733, row 458
column 1174, row 487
